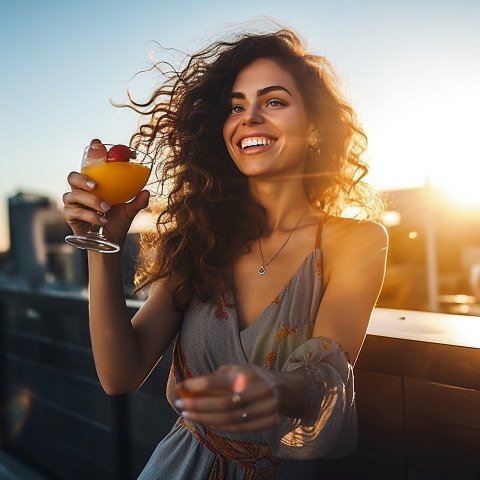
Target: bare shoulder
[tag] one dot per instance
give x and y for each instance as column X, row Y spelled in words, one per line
column 161, row 293
column 349, row 243
column 345, row 233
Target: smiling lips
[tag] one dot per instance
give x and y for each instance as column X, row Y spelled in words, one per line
column 249, row 142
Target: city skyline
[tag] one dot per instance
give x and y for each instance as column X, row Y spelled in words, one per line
column 411, row 70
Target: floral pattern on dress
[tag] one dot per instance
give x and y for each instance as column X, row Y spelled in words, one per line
column 327, row 342
column 307, row 356
column 287, row 329
column 284, row 332
column 271, row 357
column 278, row 298
column 281, row 335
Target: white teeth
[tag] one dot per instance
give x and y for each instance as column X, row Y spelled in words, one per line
column 255, row 141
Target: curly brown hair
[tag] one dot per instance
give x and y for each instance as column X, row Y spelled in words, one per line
column 210, row 217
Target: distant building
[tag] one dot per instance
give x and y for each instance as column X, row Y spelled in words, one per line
column 39, row 256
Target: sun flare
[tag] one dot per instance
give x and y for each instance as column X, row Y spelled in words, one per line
column 462, row 191
column 428, row 135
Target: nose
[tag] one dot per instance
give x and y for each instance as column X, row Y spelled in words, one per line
column 252, row 116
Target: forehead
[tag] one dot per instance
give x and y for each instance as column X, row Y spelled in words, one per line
column 261, row 73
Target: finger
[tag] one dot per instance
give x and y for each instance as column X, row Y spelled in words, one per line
column 257, row 416
column 81, row 198
column 138, row 203
column 244, row 381
column 78, row 214
column 228, row 401
column 216, row 402
column 219, row 416
column 142, row 199
column 78, row 180
column 233, row 378
column 228, row 409
column 256, row 391
column 207, row 384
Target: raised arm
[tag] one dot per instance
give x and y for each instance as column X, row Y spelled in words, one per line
column 125, row 350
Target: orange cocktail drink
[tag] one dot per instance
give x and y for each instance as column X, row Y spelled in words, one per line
column 117, row 182
column 120, row 173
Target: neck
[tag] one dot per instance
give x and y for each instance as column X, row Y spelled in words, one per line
column 265, row 262
column 283, row 203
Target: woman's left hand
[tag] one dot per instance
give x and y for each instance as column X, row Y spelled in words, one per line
column 233, row 399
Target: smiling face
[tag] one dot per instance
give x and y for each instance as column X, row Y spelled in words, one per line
column 267, row 129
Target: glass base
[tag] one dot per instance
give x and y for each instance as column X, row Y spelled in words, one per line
column 93, row 241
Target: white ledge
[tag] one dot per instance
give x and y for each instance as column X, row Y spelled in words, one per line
column 447, row 329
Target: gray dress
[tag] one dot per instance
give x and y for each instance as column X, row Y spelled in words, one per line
column 279, row 339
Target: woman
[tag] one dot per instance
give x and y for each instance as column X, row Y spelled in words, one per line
column 269, row 290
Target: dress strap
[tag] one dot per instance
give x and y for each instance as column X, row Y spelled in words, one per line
column 319, row 230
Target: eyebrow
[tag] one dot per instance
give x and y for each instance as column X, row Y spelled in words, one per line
column 262, row 91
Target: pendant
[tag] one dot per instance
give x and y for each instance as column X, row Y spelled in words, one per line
column 262, row 270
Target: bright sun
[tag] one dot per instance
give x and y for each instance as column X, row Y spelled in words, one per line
column 429, row 135
column 462, row 189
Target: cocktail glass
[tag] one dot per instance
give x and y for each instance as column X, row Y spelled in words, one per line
column 117, row 182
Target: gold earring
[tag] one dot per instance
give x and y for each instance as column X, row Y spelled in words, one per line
column 314, row 145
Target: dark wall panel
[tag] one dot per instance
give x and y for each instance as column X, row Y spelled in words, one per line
column 417, row 402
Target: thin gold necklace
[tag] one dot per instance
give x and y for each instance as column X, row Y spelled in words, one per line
column 263, row 268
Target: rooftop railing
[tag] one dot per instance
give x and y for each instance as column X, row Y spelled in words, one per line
column 417, row 392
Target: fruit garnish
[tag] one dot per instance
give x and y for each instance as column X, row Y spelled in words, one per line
column 96, row 153
column 119, row 153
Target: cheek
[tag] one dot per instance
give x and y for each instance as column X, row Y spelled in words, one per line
column 228, row 131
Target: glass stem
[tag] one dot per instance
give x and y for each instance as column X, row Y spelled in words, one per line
column 97, row 229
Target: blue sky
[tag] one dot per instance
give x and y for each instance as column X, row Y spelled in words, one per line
column 411, row 69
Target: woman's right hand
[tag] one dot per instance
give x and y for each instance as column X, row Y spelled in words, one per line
column 81, row 207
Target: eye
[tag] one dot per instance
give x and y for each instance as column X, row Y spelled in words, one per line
column 276, row 102
column 236, row 109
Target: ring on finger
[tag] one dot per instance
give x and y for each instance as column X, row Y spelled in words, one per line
column 244, row 416
column 236, row 398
